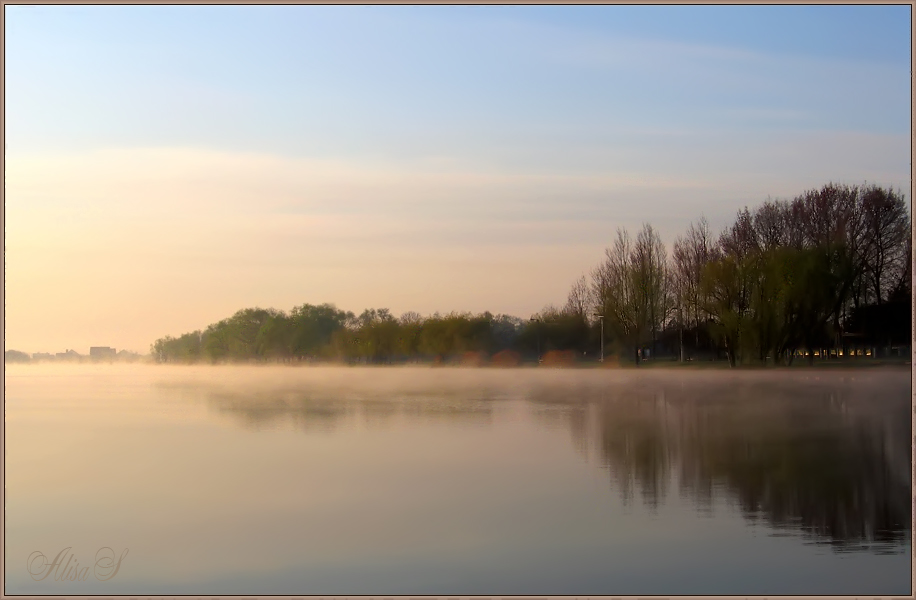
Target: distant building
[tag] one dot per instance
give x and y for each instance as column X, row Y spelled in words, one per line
column 97, row 352
column 42, row 356
column 68, row 355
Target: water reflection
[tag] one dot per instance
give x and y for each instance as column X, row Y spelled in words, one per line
column 827, row 461
column 266, row 411
column 323, row 409
column 824, row 458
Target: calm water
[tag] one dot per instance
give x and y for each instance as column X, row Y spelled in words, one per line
column 238, row 480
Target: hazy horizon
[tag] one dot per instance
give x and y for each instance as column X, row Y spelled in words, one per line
column 429, row 159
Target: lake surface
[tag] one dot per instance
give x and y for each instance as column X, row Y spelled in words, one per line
column 447, row 481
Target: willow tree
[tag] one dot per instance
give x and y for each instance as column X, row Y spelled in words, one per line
column 728, row 285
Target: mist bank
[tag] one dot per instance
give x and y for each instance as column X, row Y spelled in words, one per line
column 96, row 355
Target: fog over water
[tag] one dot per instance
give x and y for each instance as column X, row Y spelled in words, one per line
column 390, row 480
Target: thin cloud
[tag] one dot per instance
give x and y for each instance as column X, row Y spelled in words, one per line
column 767, row 114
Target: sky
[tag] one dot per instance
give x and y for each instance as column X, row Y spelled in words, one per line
column 166, row 166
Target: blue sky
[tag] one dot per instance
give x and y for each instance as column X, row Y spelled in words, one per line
column 314, row 80
column 390, row 141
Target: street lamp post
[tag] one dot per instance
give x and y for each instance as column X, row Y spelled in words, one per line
column 601, row 318
column 538, row 333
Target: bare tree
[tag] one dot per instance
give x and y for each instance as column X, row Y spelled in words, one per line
column 691, row 255
column 616, row 292
column 679, row 281
column 578, row 301
column 652, row 279
column 886, row 230
column 771, row 225
column 410, row 318
column 903, row 286
column 832, row 221
column 830, row 216
column 631, row 287
column 740, row 240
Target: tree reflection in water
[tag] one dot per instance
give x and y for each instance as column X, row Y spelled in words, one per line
column 829, row 461
column 321, row 409
column 824, row 457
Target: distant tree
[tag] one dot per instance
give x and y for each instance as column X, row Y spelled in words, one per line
column 886, row 232
column 616, row 290
column 725, row 285
column 831, row 220
column 410, row 318
column 691, row 255
column 274, row 340
column 679, row 284
column 217, row 342
column 651, row 263
column 311, row 328
column 578, row 300
column 728, row 286
column 562, row 329
column 505, row 330
column 902, row 290
column 630, row 287
column 410, row 327
column 784, row 276
column 15, row 356
column 771, row 224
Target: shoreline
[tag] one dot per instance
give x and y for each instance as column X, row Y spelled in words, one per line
column 722, row 365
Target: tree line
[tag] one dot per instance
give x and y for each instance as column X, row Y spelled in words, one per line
column 824, row 273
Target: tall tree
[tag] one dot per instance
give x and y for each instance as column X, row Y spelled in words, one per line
column 617, row 292
column 695, row 251
column 886, row 230
column 831, row 219
column 631, row 288
column 728, row 284
column 679, row 282
column 771, row 225
column 651, row 264
column 577, row 302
